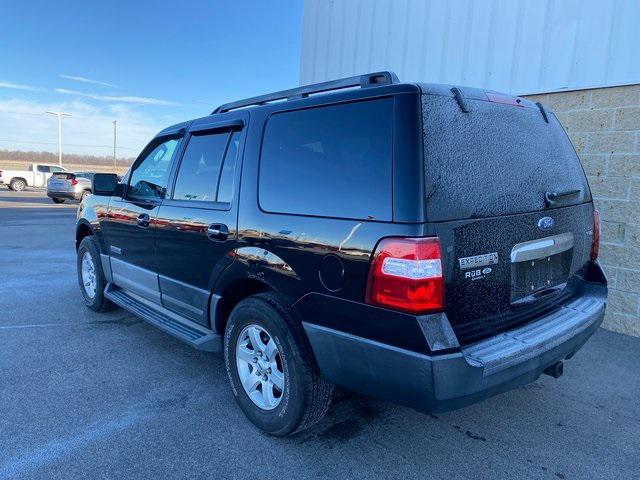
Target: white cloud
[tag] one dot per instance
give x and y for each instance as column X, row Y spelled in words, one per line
column 86, row 80
column 89, row 130
column 18, row 86
column 120, row 98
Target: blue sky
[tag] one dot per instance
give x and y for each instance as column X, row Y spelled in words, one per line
column 145, row 64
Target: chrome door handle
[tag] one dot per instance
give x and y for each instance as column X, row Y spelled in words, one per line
column 143, row 220
column 217, row 231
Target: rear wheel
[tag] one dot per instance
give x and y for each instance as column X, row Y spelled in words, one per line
column 91, row 276
column 271, row 368
column 58, row 200
column 17, row 185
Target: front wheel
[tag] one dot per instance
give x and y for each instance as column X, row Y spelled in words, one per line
column 271, row 368
column 91, row 276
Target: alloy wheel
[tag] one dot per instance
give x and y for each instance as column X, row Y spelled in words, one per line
column 260, row 367
column 89, row 281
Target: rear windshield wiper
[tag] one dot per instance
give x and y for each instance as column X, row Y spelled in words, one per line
column 550, row 198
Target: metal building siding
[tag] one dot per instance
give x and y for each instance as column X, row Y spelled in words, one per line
column 517, row 46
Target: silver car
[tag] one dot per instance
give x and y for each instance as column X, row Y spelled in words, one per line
column 69, row 186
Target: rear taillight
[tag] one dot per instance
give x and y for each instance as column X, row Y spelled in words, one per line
column 595, row 242
column 74, row 182
column 406, row 274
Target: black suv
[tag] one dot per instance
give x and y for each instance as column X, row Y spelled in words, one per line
column 419, row 243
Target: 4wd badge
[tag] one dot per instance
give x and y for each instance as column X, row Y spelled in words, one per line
column 478, row 273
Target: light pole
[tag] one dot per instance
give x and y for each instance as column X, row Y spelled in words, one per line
column 115, row 122
column 59, row 115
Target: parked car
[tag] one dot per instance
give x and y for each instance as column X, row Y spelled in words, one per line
column 69, row 186
column 425, row 244
column 35, row 176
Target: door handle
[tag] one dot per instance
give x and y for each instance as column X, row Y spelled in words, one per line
column 143, row 220
column 217, row 231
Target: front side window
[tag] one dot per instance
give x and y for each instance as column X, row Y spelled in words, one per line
column 207, row 167
column 333, row 161
column 149, row 178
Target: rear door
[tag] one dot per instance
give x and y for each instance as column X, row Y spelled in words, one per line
column 507, row 196
column 197, row 222
column 130, row 226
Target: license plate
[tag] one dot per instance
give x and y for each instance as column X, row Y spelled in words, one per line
column 532, row 276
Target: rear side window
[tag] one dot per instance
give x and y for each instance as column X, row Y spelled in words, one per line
column 200, row 166
column 225, row 184
column 332, row 161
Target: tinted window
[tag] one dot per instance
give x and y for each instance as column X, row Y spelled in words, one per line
column 495, row 160
column 63, row 175
column 149, row 177
column 225, row 188
column 44, row 168
column 200, row 167
column 330, row 161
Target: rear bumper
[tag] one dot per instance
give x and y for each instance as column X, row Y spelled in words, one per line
column 449, row 381
column 65, row 195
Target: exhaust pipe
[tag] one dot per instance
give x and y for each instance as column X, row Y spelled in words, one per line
column 556, row 370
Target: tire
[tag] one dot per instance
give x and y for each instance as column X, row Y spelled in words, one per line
column 97, row 301
column 305, row 397
column 17, row 185
column 58, row 200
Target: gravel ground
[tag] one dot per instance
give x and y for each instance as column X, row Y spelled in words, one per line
column 86, row 395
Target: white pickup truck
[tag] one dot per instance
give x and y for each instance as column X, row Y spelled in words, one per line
column 35, row 176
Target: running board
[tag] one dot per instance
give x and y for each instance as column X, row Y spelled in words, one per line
column 189, row 332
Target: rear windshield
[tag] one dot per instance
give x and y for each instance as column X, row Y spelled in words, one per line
column 495, row 160
column 64, row 175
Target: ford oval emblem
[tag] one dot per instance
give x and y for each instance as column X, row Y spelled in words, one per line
column 546, row 223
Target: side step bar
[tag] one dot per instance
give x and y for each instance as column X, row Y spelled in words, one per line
column 189, row 332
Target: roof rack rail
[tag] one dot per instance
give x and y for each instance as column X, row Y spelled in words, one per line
column 363, row 81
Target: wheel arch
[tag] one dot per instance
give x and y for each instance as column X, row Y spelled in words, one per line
column 83, row 230
column 232, row 294
column 254, row 270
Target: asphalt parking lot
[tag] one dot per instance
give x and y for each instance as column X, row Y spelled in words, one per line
column 86, row 395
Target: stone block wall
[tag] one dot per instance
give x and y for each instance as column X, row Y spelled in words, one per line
column 604, row 126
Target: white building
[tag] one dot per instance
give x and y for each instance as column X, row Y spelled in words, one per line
column 514, row 46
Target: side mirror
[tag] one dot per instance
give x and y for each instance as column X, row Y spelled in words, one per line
column 106, row 185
